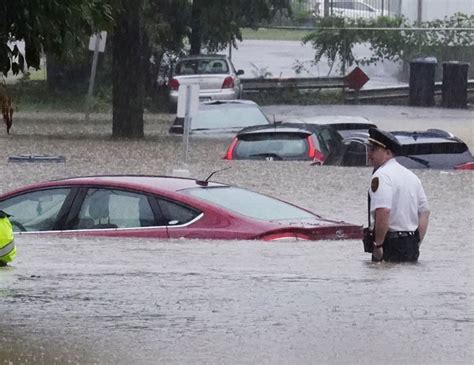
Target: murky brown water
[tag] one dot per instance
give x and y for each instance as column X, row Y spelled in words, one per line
column 237, row 302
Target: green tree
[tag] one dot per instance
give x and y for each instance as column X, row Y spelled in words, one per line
column 47, row 25
column 389, row 39
column 216, row 23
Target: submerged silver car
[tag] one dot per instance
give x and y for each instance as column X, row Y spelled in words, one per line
column 215, row 74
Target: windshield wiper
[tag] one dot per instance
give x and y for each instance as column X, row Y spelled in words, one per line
column 267, row 154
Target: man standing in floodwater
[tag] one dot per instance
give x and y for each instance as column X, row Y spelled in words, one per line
column 7, row 244
column 398, row 206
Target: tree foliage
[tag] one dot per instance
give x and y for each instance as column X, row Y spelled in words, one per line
column 389, row 39
column 218, row 22
column 46, row 25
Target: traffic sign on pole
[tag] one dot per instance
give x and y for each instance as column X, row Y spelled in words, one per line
column 96, row 44
column 356, row 79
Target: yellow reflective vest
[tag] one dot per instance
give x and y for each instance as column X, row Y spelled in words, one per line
column 7, row 244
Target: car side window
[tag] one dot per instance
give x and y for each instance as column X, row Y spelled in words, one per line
column 329, row 140
column 343, row 5
column 176, row 213
column 355, row 154
column 361, row 6
column 107, row 208
column 35, row 211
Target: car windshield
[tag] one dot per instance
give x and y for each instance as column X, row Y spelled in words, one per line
column 202, row 67
column 249, row 203
column 228, row 116
column 290, row 145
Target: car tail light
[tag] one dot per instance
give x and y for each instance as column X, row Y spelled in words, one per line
column 465, row 166
column 230, row 150
column 228, row 82
column 285, row 236
column 313, row 153
column 174, row 84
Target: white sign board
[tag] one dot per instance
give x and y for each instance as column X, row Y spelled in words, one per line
column 93, row 40
column 183, row 101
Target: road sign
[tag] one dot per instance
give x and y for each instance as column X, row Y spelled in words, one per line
column 96, row 44
column 98, row 37
column 187, row 93
column 188, row 105
column 356, row 79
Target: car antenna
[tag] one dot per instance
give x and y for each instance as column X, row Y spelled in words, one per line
column 206, row 181
column 275, row 122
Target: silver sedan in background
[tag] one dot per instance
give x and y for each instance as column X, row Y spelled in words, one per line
column 215, row 74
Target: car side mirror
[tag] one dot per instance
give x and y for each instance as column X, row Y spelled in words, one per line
column 240, row 72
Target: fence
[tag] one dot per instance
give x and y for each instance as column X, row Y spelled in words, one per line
column 305, row 12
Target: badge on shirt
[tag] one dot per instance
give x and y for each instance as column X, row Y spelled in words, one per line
column 374, row 185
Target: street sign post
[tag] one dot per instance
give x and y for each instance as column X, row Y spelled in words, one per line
column 355, row 80
column 188, row 105
column 96, row 44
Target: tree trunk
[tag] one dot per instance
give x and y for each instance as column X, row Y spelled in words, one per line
column 196, row 30
column 128, row 71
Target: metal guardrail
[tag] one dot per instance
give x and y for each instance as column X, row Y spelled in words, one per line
column 272, row 84
column 391, row 92
column 279, row 84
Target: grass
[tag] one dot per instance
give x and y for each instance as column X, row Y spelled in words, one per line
column 31, row 95
column 34, row 95
column 279, row 34
column 38, row 75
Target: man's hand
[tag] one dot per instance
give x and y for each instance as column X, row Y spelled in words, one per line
column 377, row 255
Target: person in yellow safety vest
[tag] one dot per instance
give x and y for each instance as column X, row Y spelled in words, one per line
column 7, row 244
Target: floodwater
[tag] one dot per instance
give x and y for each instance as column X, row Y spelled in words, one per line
column 86, row 301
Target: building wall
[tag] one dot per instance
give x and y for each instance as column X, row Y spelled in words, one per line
column 436, row 9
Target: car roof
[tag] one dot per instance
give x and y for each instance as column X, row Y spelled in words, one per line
column 428, row 136
column 281, row 128
column 344, row 124
column 332, row 119
column 170, row 184
column 415, row 137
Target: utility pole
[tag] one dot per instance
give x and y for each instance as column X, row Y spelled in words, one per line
column 326, row 8
column 419, row 17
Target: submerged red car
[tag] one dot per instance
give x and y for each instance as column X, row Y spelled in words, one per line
column 162, row 207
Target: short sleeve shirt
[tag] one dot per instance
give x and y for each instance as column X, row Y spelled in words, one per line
column 400, row 190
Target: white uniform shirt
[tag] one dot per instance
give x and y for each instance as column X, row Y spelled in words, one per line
column 398, row 189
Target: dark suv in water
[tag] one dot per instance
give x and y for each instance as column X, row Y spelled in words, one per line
column 433, row 148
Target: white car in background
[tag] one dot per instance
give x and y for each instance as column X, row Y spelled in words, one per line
column 215, row 74
column 353, row 9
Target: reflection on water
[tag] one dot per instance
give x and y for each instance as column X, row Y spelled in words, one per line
column 187, row 302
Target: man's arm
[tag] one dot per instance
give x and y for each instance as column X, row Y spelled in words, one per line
column 423, row 219
column 382, row 216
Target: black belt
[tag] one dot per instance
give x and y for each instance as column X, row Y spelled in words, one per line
column 399, row 234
